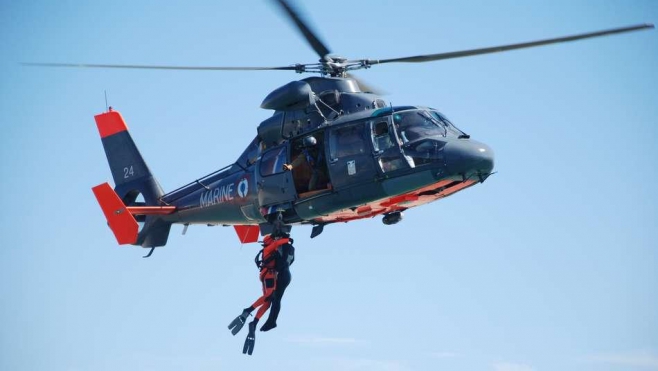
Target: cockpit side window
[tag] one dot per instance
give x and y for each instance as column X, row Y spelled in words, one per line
column 381, row 137
column 387, row 146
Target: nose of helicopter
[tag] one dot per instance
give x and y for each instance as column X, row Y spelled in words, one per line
column 468, row 156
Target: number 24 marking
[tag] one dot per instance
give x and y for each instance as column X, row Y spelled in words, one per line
column 128, row 172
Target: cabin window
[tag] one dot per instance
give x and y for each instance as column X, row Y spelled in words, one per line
column 272, row 161
column 347, row 141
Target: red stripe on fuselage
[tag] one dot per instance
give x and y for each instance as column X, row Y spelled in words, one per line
column 110, row 123
column 401, row 202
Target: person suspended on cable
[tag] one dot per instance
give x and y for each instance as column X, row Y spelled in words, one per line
column 265, row 260
column 283, row 258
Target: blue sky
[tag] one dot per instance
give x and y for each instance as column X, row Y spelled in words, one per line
column 550, row 264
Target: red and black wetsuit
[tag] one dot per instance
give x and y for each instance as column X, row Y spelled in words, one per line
column 284, row 257
column 268, row 274
column 273, row 272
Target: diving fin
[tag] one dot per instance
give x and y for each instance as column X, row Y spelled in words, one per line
column 251, row 338
column 236, row 325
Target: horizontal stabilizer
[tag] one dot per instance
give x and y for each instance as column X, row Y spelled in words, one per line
column 121, row 222
column 151, row 210
column 247, row 233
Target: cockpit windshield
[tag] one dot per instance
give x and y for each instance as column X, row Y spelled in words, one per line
column 412, row 125
column 452, row 129
column 422, row 134
column 417, row 124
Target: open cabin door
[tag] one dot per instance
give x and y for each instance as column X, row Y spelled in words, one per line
column 309, row 164
column 275, row 186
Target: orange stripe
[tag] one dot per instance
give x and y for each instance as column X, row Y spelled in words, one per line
column 363, row 209
column 397, row 203
column 458, row 187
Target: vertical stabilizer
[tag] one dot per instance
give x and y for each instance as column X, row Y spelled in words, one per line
column 132, row 177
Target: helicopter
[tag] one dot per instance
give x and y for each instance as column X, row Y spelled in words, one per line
column 332, row 151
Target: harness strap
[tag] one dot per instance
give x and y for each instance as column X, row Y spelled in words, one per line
column 260, row 262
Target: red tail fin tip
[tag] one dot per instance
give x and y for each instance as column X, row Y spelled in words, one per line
column 110, row 123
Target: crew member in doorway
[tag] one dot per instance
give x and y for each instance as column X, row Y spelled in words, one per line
column 266, row 262
column 313, row 157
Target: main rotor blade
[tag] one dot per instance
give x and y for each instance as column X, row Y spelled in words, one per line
column 306, row 31
column 148, row 67
column 502, row 48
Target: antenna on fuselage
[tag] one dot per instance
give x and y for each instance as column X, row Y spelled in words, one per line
column 107, row 108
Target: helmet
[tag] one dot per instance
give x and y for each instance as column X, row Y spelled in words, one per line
column 310, row 141
column 268, row 239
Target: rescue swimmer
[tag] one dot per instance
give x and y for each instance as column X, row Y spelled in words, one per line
column 273, row 261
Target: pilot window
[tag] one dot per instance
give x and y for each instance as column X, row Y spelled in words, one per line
column 272, row 161
column 381, row 138
column 347, row 141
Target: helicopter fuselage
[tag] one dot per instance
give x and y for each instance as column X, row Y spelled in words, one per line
column 366, row 160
